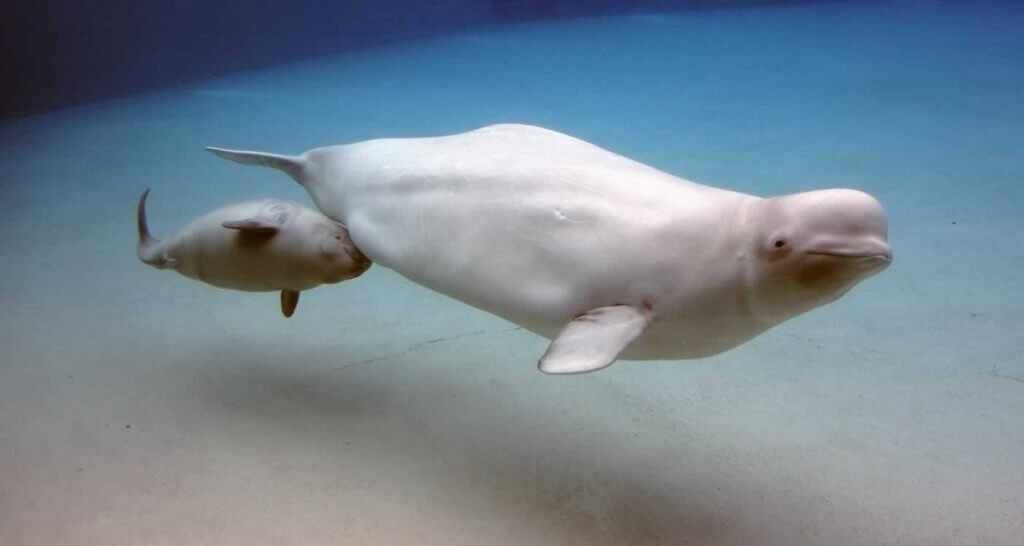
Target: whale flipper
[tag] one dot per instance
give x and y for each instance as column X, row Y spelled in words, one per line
column 593, row 340
column 291, row 164
column 289, row 299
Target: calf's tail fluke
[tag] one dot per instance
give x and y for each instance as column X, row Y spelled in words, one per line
column 148, row 248
column 291, row 164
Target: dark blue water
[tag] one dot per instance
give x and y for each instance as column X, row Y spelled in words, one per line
column 57, row 53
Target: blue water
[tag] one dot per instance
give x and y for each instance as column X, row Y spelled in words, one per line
column 137, row 406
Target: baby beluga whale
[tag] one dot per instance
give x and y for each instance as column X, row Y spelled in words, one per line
column 261, row 245
column 607, row 257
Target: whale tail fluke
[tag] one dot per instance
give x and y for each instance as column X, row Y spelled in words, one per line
column 148, row 249
column 291, row 164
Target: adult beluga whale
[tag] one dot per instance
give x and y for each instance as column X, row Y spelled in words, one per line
column 607, row 257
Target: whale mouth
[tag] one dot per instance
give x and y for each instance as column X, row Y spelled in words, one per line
column 358, row 258
column 884, row 256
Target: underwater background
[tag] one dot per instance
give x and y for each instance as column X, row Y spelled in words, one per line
column 140, row 407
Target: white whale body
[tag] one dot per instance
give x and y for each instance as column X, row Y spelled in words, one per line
column 257, row 246
column 603, row 255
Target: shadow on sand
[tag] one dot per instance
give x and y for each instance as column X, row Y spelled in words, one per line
column 522, row 470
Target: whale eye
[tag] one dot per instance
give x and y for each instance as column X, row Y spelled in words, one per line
column 330, row 248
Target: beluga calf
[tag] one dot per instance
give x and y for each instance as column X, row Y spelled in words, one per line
column 261, row 245
column 607, row 257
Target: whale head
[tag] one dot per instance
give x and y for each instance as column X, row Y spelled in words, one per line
column 810, row 248
column 336, row 257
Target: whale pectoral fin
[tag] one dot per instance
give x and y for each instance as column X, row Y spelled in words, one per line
column 289, row 299
column 253, row 225
column 593, row 340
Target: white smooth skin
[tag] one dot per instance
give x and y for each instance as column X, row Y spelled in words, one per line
column 308, row 249
column 541, row 228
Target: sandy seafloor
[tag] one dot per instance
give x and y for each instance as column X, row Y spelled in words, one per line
column 138, row 407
